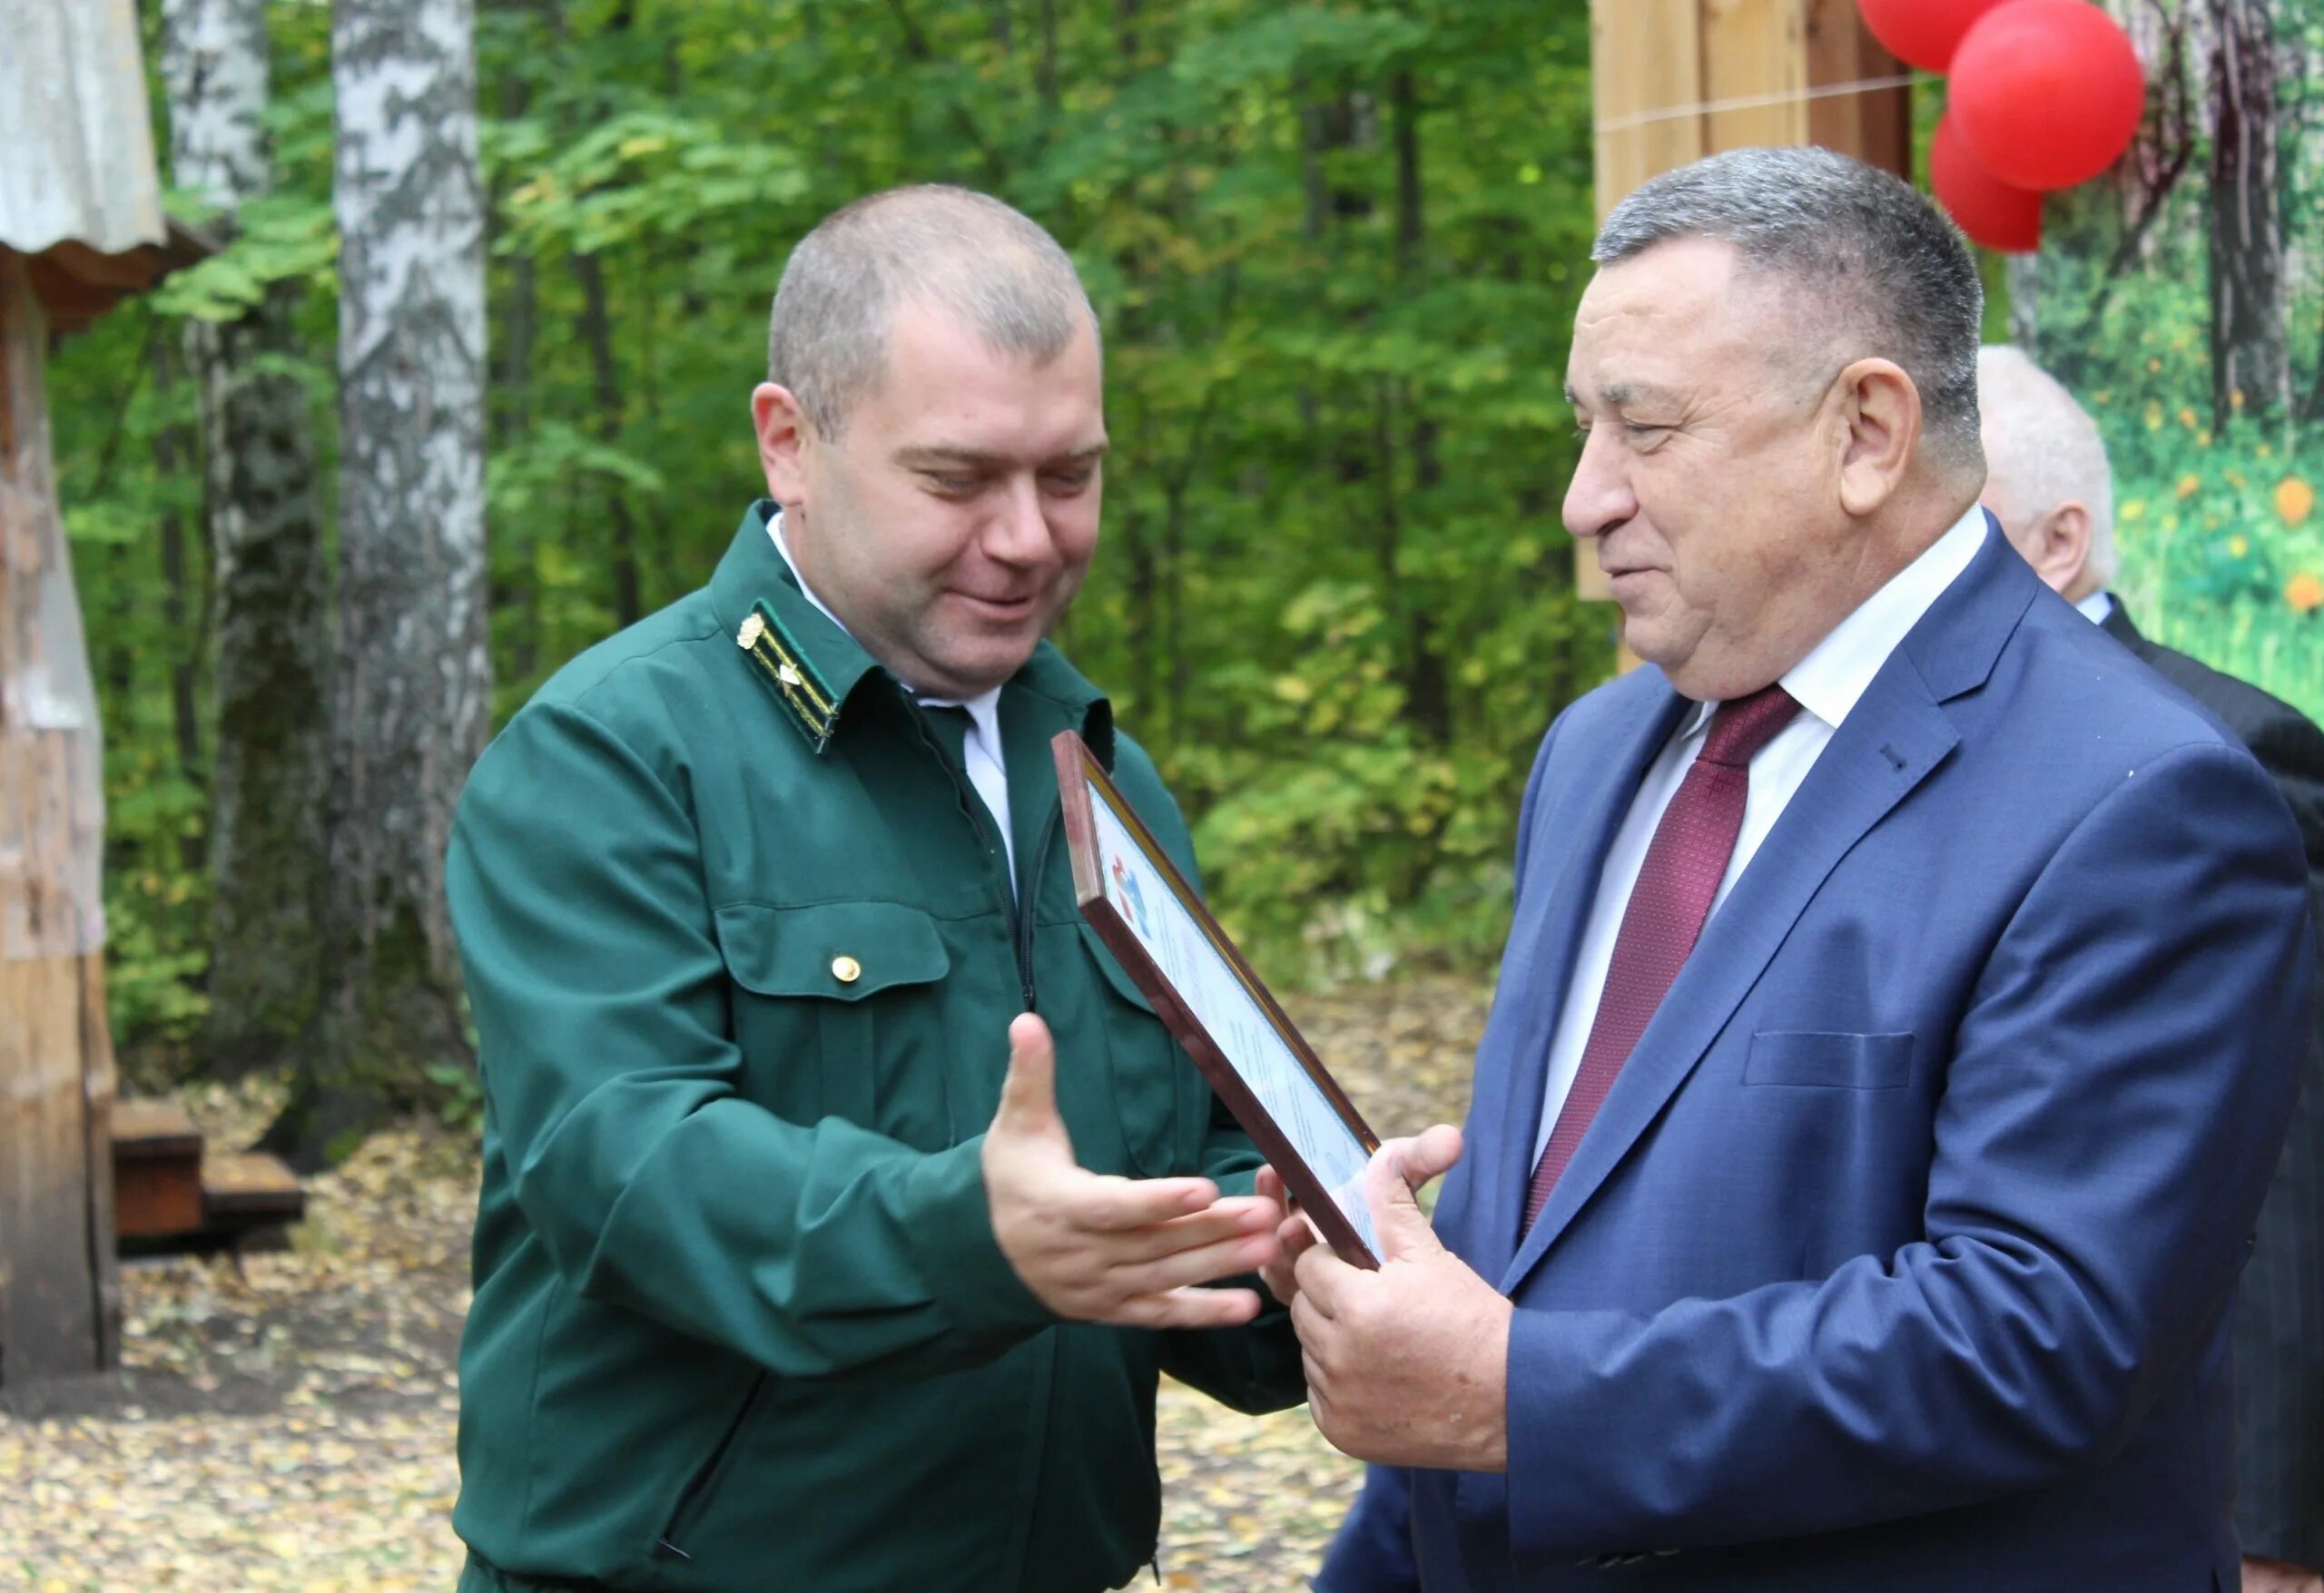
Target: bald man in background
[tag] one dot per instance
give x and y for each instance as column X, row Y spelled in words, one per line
column 2049, row 484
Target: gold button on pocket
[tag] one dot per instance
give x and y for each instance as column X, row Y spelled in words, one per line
column 846, row 969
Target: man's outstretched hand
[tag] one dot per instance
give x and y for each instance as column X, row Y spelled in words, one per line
column 1094, row 1247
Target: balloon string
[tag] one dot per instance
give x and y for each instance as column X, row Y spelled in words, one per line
column 1751, row 102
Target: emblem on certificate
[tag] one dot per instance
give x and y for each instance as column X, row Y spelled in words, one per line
column 1207, row 997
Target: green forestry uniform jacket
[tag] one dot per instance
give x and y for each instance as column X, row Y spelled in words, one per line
column 743, row 953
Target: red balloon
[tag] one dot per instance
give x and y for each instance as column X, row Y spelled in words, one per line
column 1989, row 210
column 2047, row 92
column 1923, row 32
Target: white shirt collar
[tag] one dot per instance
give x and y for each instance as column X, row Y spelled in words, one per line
column 1838, row 670
column 984, row 707
column 2096, row 606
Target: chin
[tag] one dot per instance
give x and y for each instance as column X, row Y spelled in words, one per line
column 981, row 669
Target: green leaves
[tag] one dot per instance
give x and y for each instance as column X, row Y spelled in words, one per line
column 281, row 238
column 1335, row 247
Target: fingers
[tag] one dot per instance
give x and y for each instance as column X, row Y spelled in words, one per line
column 1318, row 1273
column 1187, row 1308
column 1029, row 1092
column 1227, row 1220
column 1226, row 1258
column 1431, row 1154
column 1108, row 1203
column 1293, row 1236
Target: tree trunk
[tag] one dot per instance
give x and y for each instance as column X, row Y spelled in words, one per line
column 186, row 612
column 2250, row 373
column 597, row 332
column 60, row 1311
column 269, row 780
column 412, row 687
column 1428, row 687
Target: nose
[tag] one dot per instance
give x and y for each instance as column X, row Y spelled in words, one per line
column 1599, row 499
column 1018, row 531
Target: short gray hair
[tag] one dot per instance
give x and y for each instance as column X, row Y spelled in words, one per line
column 2044, row 448
column 950, row 247
column 1879, row 259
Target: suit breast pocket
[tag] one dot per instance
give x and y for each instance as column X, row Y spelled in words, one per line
column 1807, row 1058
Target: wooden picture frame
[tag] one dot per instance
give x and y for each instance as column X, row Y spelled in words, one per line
column 1207, row 995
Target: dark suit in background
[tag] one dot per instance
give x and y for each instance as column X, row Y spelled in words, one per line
column 2279, row 1329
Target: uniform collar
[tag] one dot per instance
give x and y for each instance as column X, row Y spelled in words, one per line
column 753, row 581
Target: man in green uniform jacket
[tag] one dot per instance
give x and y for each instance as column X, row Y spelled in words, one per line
column 803, row 1263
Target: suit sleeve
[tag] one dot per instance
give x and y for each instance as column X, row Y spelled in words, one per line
column 1374, row 1550
column 609, row 1074
column 2116, row 1094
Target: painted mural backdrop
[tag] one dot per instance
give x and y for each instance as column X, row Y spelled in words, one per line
column 2183, row 301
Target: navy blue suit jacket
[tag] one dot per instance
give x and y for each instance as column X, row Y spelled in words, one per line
column 1899, row 1256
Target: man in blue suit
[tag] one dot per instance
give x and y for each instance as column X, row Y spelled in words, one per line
column 1899, row 1018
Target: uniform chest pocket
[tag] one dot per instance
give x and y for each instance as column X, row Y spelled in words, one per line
column 1831, row 1061
column 839, row 1014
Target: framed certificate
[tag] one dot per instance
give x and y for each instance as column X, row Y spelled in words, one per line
column 1207, row 997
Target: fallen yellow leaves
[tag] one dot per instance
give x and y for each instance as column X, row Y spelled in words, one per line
column 287, row 1423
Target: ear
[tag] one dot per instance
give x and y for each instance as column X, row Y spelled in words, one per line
column 2062, row 546
column 1881, row 411
column 785, row 434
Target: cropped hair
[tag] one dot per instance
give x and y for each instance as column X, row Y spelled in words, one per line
column 1881, row 265
column 948, row 248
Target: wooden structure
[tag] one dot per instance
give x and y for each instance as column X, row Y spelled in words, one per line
column 81, row 225
column 1677, row 80
column 170, row 1194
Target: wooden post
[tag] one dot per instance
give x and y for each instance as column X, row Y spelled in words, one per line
column 1676, row 80
column 60, row 1307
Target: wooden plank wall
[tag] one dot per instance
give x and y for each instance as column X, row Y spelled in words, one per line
column 59, row 1302
column 1654, row 63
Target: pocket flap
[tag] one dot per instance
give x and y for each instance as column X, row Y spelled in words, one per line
column 835, row 951
column 1834, row 1061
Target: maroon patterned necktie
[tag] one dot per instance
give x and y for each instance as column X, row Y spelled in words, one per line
column 1684, row 864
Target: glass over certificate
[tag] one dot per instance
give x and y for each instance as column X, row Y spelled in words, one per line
column 1167, row 941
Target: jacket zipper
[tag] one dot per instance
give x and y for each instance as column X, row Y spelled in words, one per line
column 700, row 1481
column 1024, row 913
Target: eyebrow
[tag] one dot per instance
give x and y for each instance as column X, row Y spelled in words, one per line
column 942, row 455
column 1622, row 394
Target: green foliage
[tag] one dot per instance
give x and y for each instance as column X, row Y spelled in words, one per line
column 1335, row 248
column 460, row 1103
column 280, row 237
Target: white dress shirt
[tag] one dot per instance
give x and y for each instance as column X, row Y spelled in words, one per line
column 2096, row 606
column 981, row 745
column 1826, row 684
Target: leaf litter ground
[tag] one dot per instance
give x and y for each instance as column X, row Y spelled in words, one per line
column 286, row 1420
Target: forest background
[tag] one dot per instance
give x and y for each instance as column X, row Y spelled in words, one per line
column 1336, row 249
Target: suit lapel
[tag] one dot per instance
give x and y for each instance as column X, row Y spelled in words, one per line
column 1569, row 853
column 1889, row 744
column 1894, row 738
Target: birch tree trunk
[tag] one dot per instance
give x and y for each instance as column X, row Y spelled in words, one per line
column 2249, row 372
column 412, row 687
column 270, row 772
